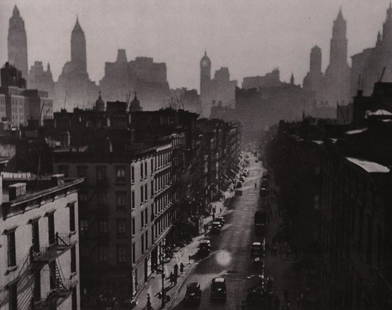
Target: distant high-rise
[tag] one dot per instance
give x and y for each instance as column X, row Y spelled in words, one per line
column 337, row 75
column 313, row 80
column 78, row 47
column 205, row 73
column 17, row 42
column 368, row 66
column 74, row 87
column 219, row 90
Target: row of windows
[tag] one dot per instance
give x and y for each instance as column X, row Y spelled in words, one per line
column 162, row 202
column 35, row 233
column 103, row 226
column 82, row 171
column 121, row 254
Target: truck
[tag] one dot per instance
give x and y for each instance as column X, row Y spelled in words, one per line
column 260, row 222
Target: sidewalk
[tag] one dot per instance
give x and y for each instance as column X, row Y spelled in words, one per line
column 154, row 285
column 181, row 255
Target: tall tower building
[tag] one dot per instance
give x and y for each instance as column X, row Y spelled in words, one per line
column 17, row 42
column 337, row 75
column 78, row 47
column 338, row 51
column 205, row 73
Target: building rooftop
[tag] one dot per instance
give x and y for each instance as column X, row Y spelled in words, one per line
column 369, row 166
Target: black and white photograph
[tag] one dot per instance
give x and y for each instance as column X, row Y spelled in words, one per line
column 195, row 154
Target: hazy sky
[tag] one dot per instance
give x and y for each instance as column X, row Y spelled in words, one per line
column 251, row 37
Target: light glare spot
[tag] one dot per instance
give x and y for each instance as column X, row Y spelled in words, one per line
column 223, row 258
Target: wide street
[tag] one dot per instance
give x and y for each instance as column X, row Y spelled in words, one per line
column 230, row 255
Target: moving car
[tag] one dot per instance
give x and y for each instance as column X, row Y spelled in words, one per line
column 218, row 289
column 193, row 293
column 205, row 247
column 260, row 221
column 216, row 227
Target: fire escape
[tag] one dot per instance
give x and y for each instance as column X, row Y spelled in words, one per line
column 29, row 276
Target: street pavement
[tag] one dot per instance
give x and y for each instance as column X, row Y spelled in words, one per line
column 230, row 255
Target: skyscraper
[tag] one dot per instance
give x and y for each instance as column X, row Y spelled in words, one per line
column 17, row 42
column 337, row 75
column 314, row 78
column 78, row 47
column 74, row 87
column 205, row 73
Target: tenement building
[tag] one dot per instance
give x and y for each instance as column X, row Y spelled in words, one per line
column 129, row 191
column 39, row 242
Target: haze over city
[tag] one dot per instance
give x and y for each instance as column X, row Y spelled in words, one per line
column 250, row 37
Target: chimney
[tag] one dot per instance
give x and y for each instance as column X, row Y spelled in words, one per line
column 16, row 190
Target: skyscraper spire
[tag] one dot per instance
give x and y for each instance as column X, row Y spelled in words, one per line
column 15, row 11
column 78, row 47
column 17, row 42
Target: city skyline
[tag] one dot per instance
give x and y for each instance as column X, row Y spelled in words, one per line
column 161, row 40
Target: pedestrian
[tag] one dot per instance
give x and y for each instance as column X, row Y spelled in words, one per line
column 171, row 278
column 181, row 267
column 149, row 307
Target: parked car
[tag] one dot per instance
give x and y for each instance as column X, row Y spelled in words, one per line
column 258, row 249
column 193, row 293
column 221, row 220
column 218, row 289
column 205, row 247
column 216, row 227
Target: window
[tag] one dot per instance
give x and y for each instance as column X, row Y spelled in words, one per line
column 120, row 174
column 146, row 215
column 141, row 171
column 152, row 165
column 132, row 174
column 145, row 192
column 35, row 235
column 121, row 199
column 152, row 189
column 103, row 226
column 100, row 173
column 52, row 235
column 11, row 248
column 146, row 239
column 133, row 253
column 73, row 259
column 52, row 275
column 121, row 226
column 13, row 296
column 83, row 226
column 133, row 226
column 37, row 285
column 141, row 194
column 102, row 254
column 72, row 226
column 145, row 169
column 142, row 220
column 142, row 243
column 121, row 254
column 133, row 199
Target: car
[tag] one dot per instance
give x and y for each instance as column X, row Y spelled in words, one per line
column 193, row 293
column 218, row 289
column 221, row 220
column 216, row 227
column 258, row 249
